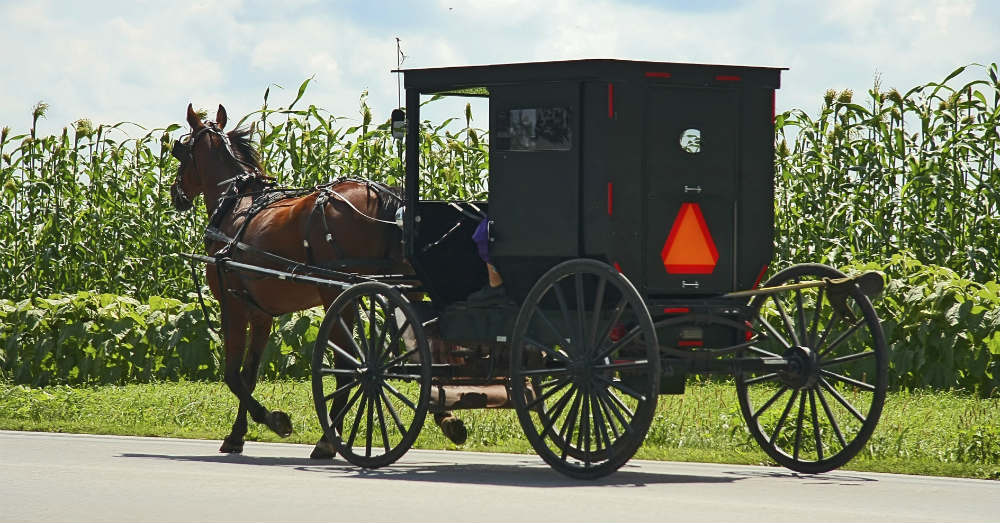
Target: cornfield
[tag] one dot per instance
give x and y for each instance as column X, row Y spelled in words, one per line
column 90, row 289
column 914, row 173
column 89, row 209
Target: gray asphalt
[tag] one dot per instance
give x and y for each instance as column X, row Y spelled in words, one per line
column 66, row 477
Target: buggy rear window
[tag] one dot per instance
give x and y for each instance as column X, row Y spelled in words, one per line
column 535, row 129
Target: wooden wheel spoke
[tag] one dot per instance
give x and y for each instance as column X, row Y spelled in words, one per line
column 616, row 315
column 786, row 320
column 606, row 410
column 399, row 395
column 618, row 403
column 636, row 364
column 337, row 372
column 801, row 314
column 341, row 389
column 354, row 361
column 621, row 386
column 404, row 377
column 564, row 309
column 544, row 372
column 388, row 314
column 399, row 359
column 773, row 332
column 763, row 377
column 347, row 407
column 811, row 338
column 784, row 415
column 556, row 411
column 373, row 333
column 601, row 424
column 583, row 435
column 834, row 320
column 762, row 352
column 845, row 379
column 829, row 415
column 369, row 426
column 357, row 420
column 798, row 427
column 815, row 423
column 363, row 350
column 381, row 423
column 566, row 431
column 598, row 305
column 392, row 411
column 847, row 405
column 767, row 404
column 398, row 335
column 548, row 351
column 849, row 357
column 557, row 386
column 581, row 320
column 840, row 339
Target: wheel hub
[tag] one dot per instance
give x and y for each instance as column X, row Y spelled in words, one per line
column 803, row 368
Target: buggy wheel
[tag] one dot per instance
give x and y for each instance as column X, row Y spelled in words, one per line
column 371, row 391
column 818, row 413
column 585, row 368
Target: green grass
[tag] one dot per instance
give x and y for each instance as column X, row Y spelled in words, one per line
column 934, row 433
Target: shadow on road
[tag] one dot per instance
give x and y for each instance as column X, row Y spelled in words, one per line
column 529, row 473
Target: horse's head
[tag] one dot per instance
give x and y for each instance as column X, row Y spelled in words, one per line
column 208, row 158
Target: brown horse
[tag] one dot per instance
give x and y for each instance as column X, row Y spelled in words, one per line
column 349, row 219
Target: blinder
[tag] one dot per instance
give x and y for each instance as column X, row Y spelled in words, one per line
column 181, row 150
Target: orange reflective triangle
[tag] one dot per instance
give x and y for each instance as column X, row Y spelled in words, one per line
column 689, row 248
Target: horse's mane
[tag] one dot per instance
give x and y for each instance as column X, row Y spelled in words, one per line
column 244, row 150
column 390, row 198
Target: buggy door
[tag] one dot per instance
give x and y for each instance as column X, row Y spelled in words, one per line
column 691, row 182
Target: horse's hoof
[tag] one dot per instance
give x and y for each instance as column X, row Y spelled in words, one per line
column 280, row 423
column 454, row 429
column 231, row 446
column 323, row 450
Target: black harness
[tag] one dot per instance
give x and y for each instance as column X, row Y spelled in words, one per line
column 263, row 193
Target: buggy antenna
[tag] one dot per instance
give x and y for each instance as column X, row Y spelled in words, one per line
column 400, row 58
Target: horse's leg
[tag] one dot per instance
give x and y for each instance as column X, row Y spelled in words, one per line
column 235, row 318
column 260, row 330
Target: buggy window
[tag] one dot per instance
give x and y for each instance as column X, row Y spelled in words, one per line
column 535, row 129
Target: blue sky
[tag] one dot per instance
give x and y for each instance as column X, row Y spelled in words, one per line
column 143, row 61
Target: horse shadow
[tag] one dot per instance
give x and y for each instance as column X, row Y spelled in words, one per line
column 527, row 472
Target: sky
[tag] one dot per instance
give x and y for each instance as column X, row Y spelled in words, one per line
column 143, row 61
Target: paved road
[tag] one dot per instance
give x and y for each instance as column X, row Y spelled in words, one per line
column 60, row 477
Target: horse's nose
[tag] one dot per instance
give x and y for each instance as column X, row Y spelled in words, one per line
column 177, row 197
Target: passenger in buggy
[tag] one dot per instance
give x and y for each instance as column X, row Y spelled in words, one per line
column 493, row 291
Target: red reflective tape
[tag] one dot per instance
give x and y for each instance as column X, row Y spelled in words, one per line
column 760, row 276
column 676, row 310
column 690, row 343
column 611, row 101
column 611, row 198
column 728, row 78
column 618, row 267
column 654, row 74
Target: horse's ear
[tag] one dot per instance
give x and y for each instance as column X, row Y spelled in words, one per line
column 193, row 120
column 220, row 117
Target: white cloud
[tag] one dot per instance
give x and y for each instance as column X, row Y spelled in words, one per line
column 144, row 62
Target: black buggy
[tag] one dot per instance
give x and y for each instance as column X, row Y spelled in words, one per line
column 631, row 215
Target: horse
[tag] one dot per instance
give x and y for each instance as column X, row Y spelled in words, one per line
column 348, row 219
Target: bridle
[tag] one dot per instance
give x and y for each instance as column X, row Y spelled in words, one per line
column 183, row 150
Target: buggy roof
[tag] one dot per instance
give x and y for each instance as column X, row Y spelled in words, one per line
column 477, row 79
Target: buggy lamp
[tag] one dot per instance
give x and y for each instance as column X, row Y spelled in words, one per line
column 398, row 118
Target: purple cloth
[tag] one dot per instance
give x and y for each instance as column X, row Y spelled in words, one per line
column 482, row 240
